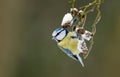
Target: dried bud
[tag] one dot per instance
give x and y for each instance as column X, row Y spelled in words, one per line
column 74, row 11
column 82, row 31
column 66, row 19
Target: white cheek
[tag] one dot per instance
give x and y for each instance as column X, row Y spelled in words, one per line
column 55, row 32
column 61, row 35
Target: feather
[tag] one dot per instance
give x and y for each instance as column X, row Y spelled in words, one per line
column 80, row 60
column 68, row 52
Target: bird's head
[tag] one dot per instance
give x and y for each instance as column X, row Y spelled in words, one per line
column 59, row 34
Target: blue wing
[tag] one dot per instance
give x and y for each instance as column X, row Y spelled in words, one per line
column 68, row 52
column 75, row 57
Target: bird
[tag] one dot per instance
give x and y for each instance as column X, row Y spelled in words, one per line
column 68, row 42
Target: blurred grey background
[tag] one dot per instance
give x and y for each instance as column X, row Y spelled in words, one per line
column 27, row 50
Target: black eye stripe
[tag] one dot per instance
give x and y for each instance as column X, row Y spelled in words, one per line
column 59, row 33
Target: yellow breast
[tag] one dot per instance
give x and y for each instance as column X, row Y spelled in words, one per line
column 70, row 43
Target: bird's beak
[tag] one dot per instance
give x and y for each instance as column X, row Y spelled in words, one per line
column 54, row 39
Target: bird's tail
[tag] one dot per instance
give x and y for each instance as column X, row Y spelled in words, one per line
column 80, row 60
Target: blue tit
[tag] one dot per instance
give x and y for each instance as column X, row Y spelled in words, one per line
column 68, row 43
